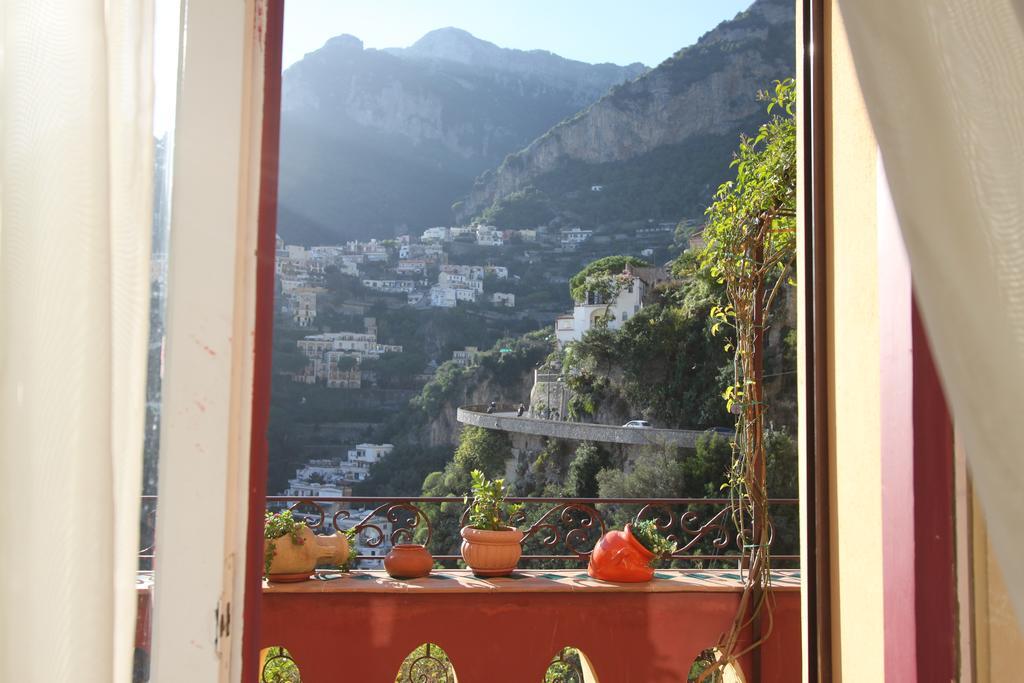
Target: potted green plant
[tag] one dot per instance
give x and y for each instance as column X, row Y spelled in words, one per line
column 628, row 556
column 291, row 551
column 490, row 547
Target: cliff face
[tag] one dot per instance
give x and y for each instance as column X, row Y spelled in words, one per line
column 705, row 91
column 443, row 429
column 375, row 140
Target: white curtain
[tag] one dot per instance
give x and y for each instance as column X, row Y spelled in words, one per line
column 75, row 224
column 944, row 85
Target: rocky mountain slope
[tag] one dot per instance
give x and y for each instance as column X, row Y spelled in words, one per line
column 373, row 141
column 659, row 144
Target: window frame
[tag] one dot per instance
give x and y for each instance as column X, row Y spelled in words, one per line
column 246, row 40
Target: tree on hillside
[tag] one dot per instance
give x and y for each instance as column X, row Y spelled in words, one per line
column 479, row 449
column 597, row 276
column 750, row 248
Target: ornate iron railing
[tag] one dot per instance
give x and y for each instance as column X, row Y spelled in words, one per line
column 557, row 531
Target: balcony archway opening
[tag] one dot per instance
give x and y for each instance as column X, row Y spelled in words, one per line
column 278, row 666
column 570, row 665
column 730, row 673
column 428, row 663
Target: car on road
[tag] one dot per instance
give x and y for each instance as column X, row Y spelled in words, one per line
column 638, row 424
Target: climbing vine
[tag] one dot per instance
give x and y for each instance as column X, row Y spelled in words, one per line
column 750, row 248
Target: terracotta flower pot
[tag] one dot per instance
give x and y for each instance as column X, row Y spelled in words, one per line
column 408, row 561
column 296, row 561
column 491, row 553
column 619, row 557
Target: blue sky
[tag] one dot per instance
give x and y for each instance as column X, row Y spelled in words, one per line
column 587, row 30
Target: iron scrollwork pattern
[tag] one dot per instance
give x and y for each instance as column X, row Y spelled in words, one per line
column 430, row 666
column 563, row 530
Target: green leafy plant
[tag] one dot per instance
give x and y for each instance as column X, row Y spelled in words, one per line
column 353, row 551
column 278, row 525
column 488, row 510
column 750, row 249
column 646, row 531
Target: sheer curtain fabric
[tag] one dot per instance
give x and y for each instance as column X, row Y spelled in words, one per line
column 75, row 225
column 943, row 81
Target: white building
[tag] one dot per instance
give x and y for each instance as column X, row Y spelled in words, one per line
column 465, row 357
column 575, row 237
column 357, row 467
column 442, row 297
column 390, row 286
column 503, row 299
column 325, row 351
column 410, row 266
column 438, row 234
column 296, row 252
column 457, row 281
column 489, row 236
column 346, row 267
column 303, row 301
column 627, row 303
column 413, row 298
column 461, row 232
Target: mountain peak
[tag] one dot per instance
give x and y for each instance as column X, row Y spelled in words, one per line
column 452, row 44
column 345, row 42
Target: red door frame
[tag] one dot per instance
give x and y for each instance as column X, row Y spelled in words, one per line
column 266, row 248
column 918, row 504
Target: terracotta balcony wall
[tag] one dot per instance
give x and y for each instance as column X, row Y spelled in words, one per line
column 361, row 626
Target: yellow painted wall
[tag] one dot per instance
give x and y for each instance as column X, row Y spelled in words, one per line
column 854, row 370
column 998, row 642
column 994, row 638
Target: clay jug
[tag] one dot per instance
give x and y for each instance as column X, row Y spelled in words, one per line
column 296, row 561
column 619, row 557
column 408, row 561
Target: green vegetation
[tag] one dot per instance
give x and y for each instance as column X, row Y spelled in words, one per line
column 596, row 277
column 279, row 667
column 565, row 667
column 663, row 364
column 587, row 462
column 524, row 209
column 750, row 250
column 646, row 532
column 488, row 510
column 401, row 473
column 278, row 525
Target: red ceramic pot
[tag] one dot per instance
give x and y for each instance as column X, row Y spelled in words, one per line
column 408, row 561
column 619, row 557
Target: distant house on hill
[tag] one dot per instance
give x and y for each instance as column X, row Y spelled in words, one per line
column 590, row 312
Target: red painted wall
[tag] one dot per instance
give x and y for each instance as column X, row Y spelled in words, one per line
column 511, row 638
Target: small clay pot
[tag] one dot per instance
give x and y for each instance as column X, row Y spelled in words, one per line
column 491, row 553
column 619, row 557
column 408, row 561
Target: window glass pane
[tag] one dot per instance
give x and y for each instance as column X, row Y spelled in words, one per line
column 165, row 66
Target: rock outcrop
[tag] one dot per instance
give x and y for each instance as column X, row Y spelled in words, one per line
column 705, row 90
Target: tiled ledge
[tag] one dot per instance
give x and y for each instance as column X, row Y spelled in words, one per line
column 527, row 581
